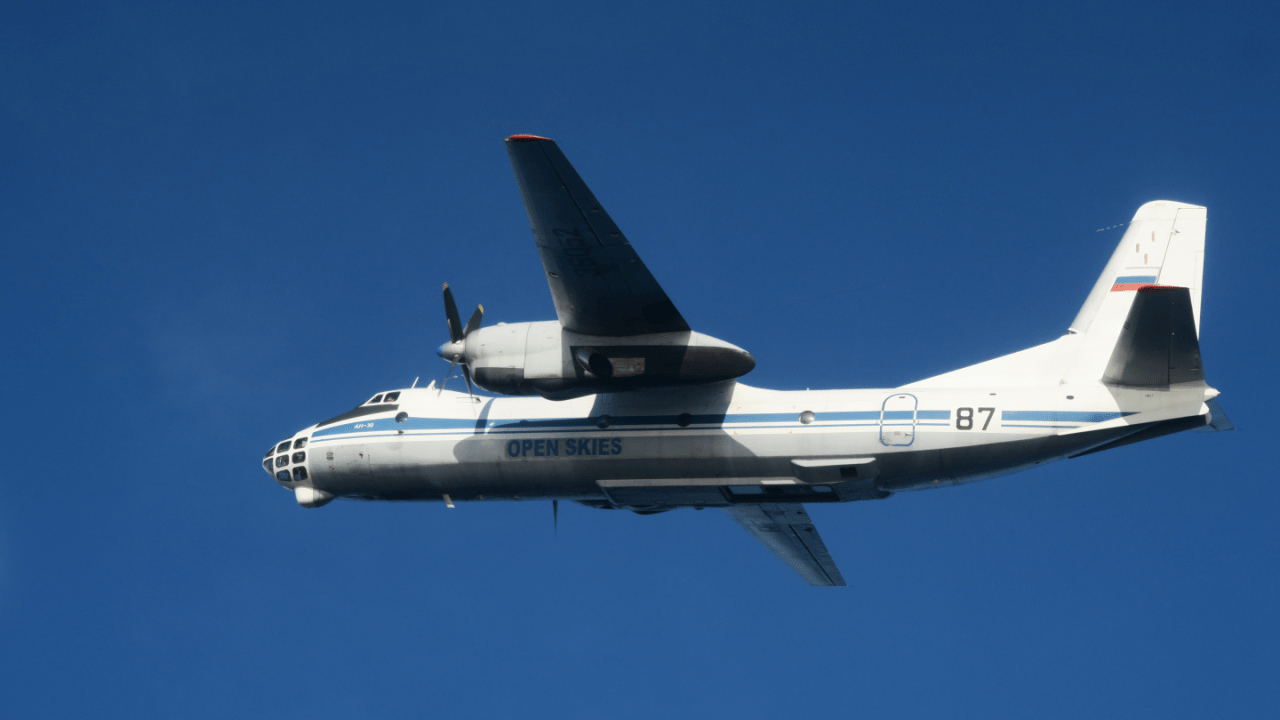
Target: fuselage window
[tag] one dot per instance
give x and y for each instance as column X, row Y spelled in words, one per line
column 376, row 398
column 282, row 460
column 299, row 473
column 299, row 457
column 284, row 446
column 392, row 397
column 299, row 443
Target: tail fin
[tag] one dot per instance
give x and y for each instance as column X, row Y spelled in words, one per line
column 1163, row 246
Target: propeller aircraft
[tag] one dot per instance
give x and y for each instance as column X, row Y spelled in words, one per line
column 620, row 404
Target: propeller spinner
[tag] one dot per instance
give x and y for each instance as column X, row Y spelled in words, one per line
column 455, row 351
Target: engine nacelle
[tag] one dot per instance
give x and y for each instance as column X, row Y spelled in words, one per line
column 542, row 358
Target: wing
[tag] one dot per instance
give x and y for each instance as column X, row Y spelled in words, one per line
column 599, row 285
column 789, row 533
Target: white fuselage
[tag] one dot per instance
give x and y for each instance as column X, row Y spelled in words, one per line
column 709, row 442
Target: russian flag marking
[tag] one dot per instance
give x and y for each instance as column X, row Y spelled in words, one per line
column 1132, row 282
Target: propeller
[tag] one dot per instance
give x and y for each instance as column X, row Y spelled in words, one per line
column 455, row 351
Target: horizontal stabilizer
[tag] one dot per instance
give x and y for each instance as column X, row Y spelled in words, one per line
column 789, row 533
column 1157, row 346
column 1219, row 422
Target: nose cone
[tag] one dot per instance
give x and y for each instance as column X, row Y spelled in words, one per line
column 287, row 461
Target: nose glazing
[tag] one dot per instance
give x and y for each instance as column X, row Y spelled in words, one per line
column 286, row 462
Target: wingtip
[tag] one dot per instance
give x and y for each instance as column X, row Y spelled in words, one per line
column 527, row 138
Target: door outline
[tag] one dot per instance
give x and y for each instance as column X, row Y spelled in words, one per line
column 897, row 423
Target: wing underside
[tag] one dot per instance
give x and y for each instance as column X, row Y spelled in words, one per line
column 788, row 532
column 599, row 284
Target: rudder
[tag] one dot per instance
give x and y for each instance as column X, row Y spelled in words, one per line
column 1157, row 346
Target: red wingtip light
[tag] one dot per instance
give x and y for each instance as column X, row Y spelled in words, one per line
column 526, row 138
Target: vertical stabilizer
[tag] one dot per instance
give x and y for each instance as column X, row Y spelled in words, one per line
column 1164, row 246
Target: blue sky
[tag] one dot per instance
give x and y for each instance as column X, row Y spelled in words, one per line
column 222, row 224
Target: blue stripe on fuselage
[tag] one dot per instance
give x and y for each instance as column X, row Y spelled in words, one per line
column 1059, row 416
column 711, row 419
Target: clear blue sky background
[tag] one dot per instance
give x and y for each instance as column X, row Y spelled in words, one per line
column 222, row 224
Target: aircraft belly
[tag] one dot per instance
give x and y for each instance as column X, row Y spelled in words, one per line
column 503, row 466
column 995, row 456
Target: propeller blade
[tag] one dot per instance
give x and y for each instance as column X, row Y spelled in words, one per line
column 474, row 322
column 466, row 374
column 555, row 517
column 446, row 378
column 451, row 314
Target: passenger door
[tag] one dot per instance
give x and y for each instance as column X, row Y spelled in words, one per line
column 898, row 420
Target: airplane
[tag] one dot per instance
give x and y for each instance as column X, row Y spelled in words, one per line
column 619, row 404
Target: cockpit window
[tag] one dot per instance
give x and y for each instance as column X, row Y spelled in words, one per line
column 282, row 447
column 299, row 473
column 392, row 397
column 299, row 443
column 376, row 398
column 282, row 460
column 283, row 476
column 270, row 451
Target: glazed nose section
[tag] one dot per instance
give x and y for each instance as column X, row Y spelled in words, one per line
column 276, row 461
column 287, row 462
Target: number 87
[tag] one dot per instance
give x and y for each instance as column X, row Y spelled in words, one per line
column 964, row 417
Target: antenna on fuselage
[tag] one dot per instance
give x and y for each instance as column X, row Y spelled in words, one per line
column 415, row 382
